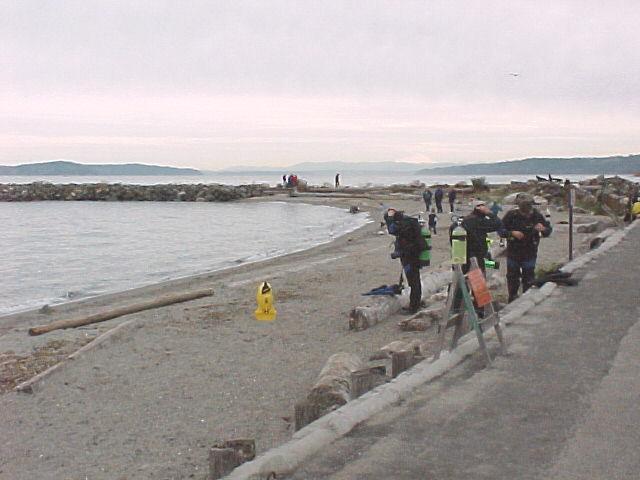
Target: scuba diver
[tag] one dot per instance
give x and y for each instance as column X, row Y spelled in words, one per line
column 410, row 246
column 480, row 222
column 522, row 227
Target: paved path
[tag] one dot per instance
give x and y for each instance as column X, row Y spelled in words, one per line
column 564, row 404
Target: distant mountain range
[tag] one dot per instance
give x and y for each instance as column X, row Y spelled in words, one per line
column 541, row 166
column 62, row 167
column 336, row 167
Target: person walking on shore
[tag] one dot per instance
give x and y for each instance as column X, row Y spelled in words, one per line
column 438, row 196
column 337, row 180
column 408, row 246
column 452, row 199
column 426, row 196
column 522, row 227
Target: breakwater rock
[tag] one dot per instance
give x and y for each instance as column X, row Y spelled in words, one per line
column 39, row 191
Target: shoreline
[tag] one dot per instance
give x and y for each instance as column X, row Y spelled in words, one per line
column 145, row 289
column 12, row 319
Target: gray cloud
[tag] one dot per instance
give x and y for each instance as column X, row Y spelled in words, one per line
column 572, row 56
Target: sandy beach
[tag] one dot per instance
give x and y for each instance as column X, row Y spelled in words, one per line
column 175, row 380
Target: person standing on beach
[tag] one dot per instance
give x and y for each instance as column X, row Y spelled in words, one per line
column 408, row 246
column 478, row 224
column 452, row 199
column 438, row 196
column 426, row 196
column 522, row 227
column 337, row 180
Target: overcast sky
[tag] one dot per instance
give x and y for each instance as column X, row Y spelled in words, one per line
column 211, row 84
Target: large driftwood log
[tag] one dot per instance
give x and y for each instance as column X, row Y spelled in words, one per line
column 119, row 312
column 361, row 318
column 332, row 389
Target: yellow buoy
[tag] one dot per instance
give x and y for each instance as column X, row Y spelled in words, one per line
column 266, row 311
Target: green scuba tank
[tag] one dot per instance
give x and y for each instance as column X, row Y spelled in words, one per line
column 425, row 255
column 492, row 264
column 459, row 245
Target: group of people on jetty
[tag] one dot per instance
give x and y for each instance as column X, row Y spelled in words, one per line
column 522, row 228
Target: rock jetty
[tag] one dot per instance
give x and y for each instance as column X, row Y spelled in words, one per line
column 107, row 192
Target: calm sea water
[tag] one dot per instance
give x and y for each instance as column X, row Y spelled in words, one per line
column 60, row 251
column 354, row 179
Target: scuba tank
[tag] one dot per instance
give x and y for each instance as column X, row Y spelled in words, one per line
column 488, row 261
column 425, row 255
column 459, row 244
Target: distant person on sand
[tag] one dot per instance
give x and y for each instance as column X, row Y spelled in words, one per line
column 337, row 180
column 452, row 199
column 433, row 221
column 284, row 180
column 522, row 227
column 438, row 196
column 426, row 196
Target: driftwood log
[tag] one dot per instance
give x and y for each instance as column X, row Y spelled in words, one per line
column 421, row 321
column 332, row 389
column 119, row 312
column 361, row 318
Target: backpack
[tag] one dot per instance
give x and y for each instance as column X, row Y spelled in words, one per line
column 410, row 239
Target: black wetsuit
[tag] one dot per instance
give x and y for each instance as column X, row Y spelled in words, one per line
column 522, row 254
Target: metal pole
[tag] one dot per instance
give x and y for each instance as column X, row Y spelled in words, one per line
column 572, row 195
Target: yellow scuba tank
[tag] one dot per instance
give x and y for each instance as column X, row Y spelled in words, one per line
column 266, row 311
column 459, row 245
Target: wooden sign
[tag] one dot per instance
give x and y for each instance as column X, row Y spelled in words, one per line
column 479, row 287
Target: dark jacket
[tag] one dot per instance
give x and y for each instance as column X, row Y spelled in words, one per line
column 426, row 196
column 527, row 248
column 439, row 194
column 409, row 241
column 452, row 195
column 477, row 226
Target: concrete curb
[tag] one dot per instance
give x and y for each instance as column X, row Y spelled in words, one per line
column 284, row 460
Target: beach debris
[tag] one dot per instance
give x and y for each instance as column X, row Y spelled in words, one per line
column 421, row 321
column 229, row 454
column 121, row 311
column 45, row 309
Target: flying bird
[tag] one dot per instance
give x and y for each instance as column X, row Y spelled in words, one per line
column 514, row 74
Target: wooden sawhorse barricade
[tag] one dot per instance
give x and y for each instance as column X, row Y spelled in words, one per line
column 459, row 302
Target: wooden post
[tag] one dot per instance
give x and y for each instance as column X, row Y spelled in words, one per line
column 305, row 412
column 572, row 200
column 400, row 361
column 225, row 456
column 361, row 382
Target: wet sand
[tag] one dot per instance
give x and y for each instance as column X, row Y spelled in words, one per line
column 177, row 379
